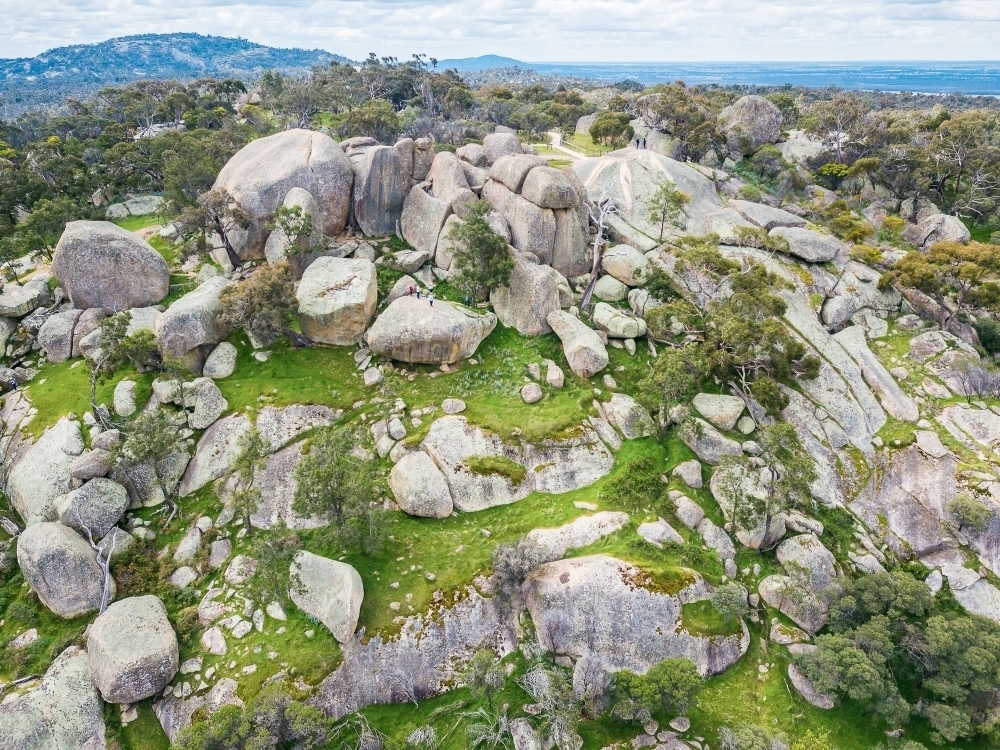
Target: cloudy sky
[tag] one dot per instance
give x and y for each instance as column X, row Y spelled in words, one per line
column 539, row 30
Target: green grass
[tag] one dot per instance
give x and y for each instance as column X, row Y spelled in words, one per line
column 135, row 223
column 585, row 142
column 702, row 618
column 501, row 465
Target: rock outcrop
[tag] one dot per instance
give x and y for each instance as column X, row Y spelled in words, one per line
column 610, row 607
column 381, row 183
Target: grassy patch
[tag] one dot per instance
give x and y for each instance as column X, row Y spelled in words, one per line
column 501, row 465
column 135, row 223
column 702, row 618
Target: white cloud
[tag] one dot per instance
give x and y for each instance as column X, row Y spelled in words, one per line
column 539, row 30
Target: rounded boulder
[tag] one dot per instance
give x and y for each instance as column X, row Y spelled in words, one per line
column 61, row 568
column 419, row 487
column 99, row 264
column 133, row 650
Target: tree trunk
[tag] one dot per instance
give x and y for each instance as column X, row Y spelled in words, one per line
column 588, row 293
column 297, row 339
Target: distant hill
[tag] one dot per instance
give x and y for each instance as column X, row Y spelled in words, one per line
column 477, row 64
column 83, row 68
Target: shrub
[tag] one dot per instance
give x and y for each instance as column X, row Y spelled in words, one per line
column 970, row 512
column 751, row 193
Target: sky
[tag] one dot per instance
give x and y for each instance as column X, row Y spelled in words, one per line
column 539, row 30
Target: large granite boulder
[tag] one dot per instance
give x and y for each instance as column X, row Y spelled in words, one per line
column 99, row 264
column 133, row 650
column 447, row 178
column 97, row 505
column 498, row 145
column 56, row 335
column 444, row 253
column 329, row 590
column 414, row 330
column 337, row 299
column 626, row 264
column 809, row 245
column 806, row 553
column 584, row 350
column 423, row 219
column 548, row 187
column 512, row 170
column 614, row 610
column 216, row 454
column 64, row 712
column 570, row 250
column 17, row 300
column 419, row 487
column 262, row 173
column 553, row 544
column 44, row 472
column 532, row 229
column 750, row 123
column 191, row 327
column 618, row 323
column 533, row 293
column 61, row 568
column 279, row 244
column 720, row 409
column 631, row 179
column 381, row 183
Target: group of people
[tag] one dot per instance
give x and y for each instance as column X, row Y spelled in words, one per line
column 414, row 289
column 639, row 141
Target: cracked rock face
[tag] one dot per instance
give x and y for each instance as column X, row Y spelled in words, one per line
column 612, row 609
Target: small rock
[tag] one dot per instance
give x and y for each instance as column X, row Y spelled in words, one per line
column 453, row 406
column 221, row 362
column 373, row 376
column 690, row 473
column 531, row 393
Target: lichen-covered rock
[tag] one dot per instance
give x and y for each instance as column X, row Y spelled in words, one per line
column 221, row 362
column 204, row 402
column 626, row 264
column 617, row 323
column 97, row 505
column 44, row 472
column 584, row 350
column 707, row 442
column 615, row 611
column 61, row 568
column 99, row 264
column 279, row 426
column 262, row 173
column 764, row 216
column 498, row 145
column 858, row 289
column 329, row 590
column 337, row 299
column 56, row 335
column 414, row 330
column 937, row 228
column 419, row 487
column 628, row 416
column 216, row 454
column 64, row 712
column 453, row 444
column 532, row 229
column 720, row 409
column 133, row 650
column 547, row 187
column 750, row 123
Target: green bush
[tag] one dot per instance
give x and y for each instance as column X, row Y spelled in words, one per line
column 751, row 193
